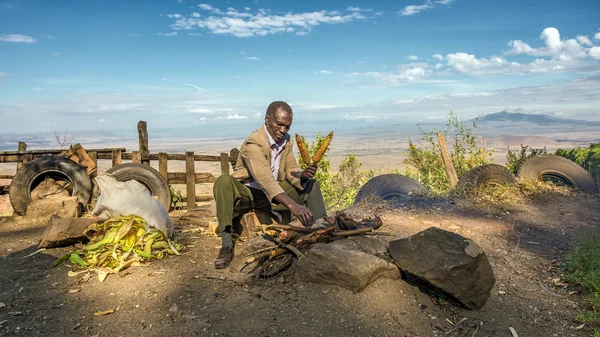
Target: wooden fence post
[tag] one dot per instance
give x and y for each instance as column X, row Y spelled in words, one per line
column 136, row 157
column 94, row 156
column 224, row 163
column 450, row 172
column 190, row 180
column 163, row 165
column 117, row 158
column 22, row 147
column 143, row 140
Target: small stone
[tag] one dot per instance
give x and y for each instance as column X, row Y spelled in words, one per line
column 173, row 308
column 2, row 305
column 500, row 292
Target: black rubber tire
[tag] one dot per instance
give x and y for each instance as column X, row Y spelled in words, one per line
column 147, row 176
column 557, row 168
column 388, row 186
column 35, row 171
column 488, row 174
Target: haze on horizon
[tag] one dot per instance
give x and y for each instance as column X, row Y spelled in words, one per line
column 177, row 63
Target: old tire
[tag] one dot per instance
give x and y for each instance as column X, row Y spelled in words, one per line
column 559, row 169
column 488, row 174
column 147, row 176
column 388, row 186
column 58, row 168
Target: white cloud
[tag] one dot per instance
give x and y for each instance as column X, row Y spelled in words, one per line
column 570, row 49
column 558, row 55
column 50, row 37
column 438, row 57
column 167, row 34
column 2, row 75
column 252, row 58
column 323, row 72
column 584, row 40
column 595, row 53
column 133, row 34
column 413, row 57
column 195, row 34
column 194, row 86
column 407, row 75
column 261, row 22
column 17, row 38
column 236, row 116
column 415, row 9
column 101, row 120
column 357, row 9
column 597, row 36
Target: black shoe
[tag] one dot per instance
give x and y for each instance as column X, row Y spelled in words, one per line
column 224, row 258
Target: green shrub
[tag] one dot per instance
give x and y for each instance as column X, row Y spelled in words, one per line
column 514, row 159
column 176, row 198
column 425, row 164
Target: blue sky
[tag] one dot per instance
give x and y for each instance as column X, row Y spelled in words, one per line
column 107, row 64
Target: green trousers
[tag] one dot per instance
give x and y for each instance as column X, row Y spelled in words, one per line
column 233, row 199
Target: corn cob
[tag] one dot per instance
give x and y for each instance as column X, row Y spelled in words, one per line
column 321, row 151
column 303, row 150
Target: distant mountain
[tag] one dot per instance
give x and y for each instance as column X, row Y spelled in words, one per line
column 531, row 118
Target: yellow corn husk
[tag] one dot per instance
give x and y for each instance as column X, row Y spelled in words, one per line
column 148, row 246
column 321, row 151
column 141, row 253
column 75, row 258
column 304, row 154
column 118, row 243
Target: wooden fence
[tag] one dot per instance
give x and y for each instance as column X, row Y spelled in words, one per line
column 190, row 177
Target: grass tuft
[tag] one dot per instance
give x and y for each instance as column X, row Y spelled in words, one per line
column 583, row 267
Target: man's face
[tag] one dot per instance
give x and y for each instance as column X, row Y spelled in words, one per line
column 279, row 124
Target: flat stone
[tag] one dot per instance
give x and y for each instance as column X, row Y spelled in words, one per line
column 5, row 206
column 64, row 232
column 342, row 265
column 65, row 207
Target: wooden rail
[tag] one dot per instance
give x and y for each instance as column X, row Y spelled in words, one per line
column 190, row 177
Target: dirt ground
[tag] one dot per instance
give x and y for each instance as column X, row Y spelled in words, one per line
column 185, row 296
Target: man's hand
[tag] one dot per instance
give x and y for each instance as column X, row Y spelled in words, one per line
column 300, row 212
column 303, row 214
column 309, row 171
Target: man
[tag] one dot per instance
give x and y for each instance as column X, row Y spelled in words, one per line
column 266, row 173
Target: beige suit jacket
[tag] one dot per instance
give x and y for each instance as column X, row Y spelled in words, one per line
column 254, row 162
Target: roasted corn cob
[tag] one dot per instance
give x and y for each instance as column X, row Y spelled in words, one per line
column 303, row 150
column 323, row 148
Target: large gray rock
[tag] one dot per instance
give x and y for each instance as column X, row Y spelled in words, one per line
column 447, row 261
column 342, row 265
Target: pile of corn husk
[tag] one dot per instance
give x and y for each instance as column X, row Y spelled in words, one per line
column 119, row 243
